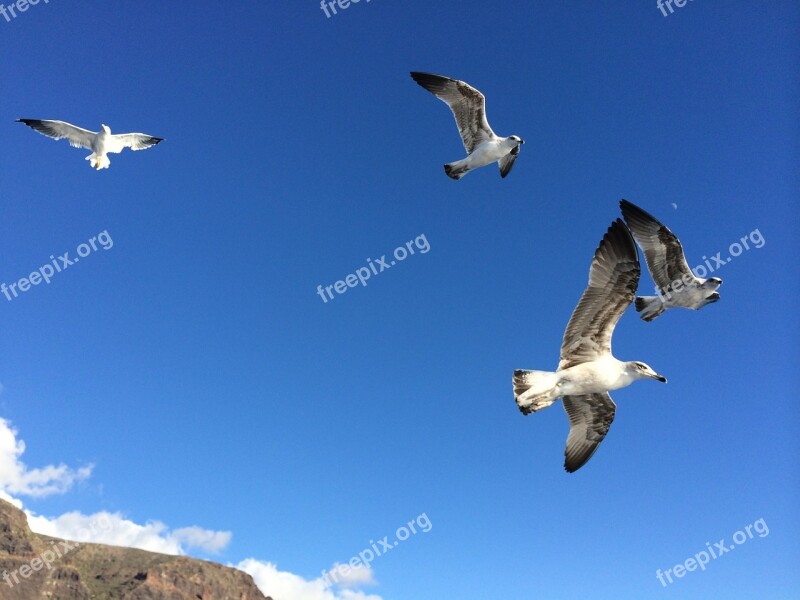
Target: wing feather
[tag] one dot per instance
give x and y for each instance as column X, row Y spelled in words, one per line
column 76, row 136
column 135, row 141
column 507, row 162
column 613, row 278
column 590, row 417
column 468, row 106
column 662, row 250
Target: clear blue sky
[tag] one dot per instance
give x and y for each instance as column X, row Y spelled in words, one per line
column 195, row 366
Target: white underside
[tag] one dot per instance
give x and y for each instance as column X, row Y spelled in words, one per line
column 484, row 154
column 598, row 376
column 98, row 159
column 687, row 297
column 595, row 377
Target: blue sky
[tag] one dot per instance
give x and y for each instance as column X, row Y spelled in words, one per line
column 194, row 370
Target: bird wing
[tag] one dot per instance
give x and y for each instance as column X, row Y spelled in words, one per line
column 590, row 416
column 507, row 162
column 76, row 136
column 663, row 252
column 467, row 103
column 134, row 141
column 613, row 278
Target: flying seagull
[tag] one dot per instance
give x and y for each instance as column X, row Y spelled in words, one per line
column 100, row 143
column 676, row 285
column 587, row 370
column 469, row 108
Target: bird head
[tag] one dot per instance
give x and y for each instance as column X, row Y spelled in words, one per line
column 106, row 128
column 640, row 370
column 516, row 140
column 712, row 283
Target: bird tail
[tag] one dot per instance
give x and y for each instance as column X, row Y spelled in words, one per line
column 98, row 161
column 535, row 390
column 649, row 306
column 455, row 171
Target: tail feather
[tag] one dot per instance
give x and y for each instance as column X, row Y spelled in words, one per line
column 649, row 306
column 98, row 161
column 534, row 390
column 455, row 172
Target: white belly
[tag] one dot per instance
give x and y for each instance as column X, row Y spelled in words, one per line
column 594, row 377
column 687, row 297
column 485, row 154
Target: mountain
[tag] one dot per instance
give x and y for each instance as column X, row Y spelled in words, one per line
column 34, row 566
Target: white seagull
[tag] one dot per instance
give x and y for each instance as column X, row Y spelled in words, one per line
column 469, row 108
column 676, row 285
column 588, row 370
column 100, row 143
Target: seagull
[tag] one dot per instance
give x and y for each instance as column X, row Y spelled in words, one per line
column 666, row 262
column 100, row 143
column 469, row 108
column 588, row 370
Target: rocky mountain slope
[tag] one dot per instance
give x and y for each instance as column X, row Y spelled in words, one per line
column 34, row 566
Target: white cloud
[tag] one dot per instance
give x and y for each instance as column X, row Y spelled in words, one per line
column 101, row 527
column 282, row 585
column 204, row 539
column 7, row 498
column 114, row 529
column 17, row 478
column 346, row 576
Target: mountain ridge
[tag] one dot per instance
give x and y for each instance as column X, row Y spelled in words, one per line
column 35, row 566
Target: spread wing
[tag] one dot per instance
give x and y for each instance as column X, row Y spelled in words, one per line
column 468, row 106
column 663, row 252
column 613, row 278
column 590, row 416
column 134, row 141
column 507, row 162
column 77, row 137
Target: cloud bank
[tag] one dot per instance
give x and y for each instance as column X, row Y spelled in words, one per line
column 103, row 527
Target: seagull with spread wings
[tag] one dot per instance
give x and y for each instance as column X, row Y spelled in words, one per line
column 663, row 253
column 588, row 370
column 100, row 143
column 469, row 108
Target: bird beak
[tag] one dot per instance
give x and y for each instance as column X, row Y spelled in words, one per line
column 522, row 142
column 661, row 378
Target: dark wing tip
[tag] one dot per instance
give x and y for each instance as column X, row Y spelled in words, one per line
column 618, row 246
column 637, row 216
column 417, row 75
column 619, row 237
column 430, row 81
column 578, row 457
